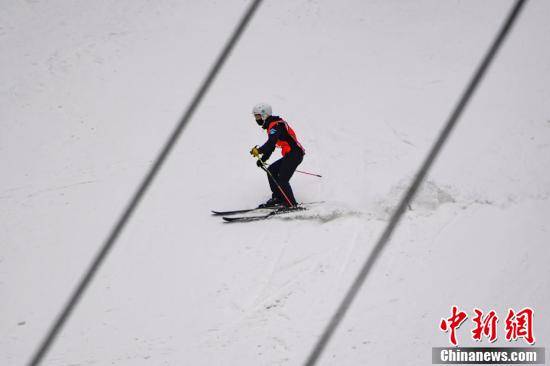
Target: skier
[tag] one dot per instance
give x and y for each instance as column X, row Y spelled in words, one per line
column 281, row 135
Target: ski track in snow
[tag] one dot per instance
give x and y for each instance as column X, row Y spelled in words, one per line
column 271, row 298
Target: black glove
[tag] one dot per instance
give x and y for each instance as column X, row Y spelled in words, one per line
column 260, row 163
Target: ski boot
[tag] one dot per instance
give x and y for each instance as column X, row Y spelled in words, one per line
column 273, row 202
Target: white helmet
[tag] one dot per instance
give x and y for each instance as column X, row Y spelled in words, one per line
column 263, row 109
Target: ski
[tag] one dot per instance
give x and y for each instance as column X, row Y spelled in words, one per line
column 235, row 212
column 247, row 210
column 279, row 211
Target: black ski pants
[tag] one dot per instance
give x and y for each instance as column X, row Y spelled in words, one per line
column 282, row 170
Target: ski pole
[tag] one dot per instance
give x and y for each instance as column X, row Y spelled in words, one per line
column 315, row 175
column 276, row 183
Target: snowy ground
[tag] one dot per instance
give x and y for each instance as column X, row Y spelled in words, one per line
column 91, row 89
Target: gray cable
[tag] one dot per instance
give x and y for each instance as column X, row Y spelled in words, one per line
column 418, row 179
column 142, row 189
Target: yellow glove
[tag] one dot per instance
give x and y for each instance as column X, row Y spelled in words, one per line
column 255, row 152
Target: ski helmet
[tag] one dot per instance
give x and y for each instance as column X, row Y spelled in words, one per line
column 263, row 109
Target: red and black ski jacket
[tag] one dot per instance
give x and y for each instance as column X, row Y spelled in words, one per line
column 279, row 134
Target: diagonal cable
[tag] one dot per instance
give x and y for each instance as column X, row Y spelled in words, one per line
column 142, row 188
column 417, row 181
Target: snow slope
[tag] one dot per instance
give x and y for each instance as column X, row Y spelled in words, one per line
column 92, row 89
